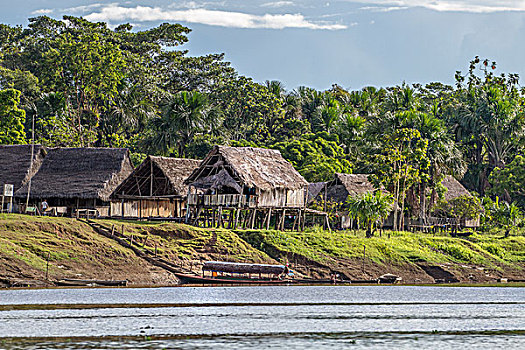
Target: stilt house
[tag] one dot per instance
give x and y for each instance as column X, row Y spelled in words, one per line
column 16, row 166
column 252, row 184
column 154, row 189
column 341, row 188
column 79, row 178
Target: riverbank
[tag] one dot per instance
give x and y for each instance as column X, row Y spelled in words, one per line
column 75, row 250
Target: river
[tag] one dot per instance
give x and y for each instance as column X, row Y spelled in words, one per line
column 291, row 317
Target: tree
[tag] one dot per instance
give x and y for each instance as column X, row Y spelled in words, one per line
column 183, row 116
column 501, row 214
column 487, row 116
column 11, row 118
column 509, row 182
column 371, row 209
column 398, row 164
column 315, row 156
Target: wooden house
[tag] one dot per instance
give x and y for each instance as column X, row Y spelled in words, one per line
column 78, row 178
column 343, row 186
column 454, row 190
column 154, row 189
column 253, row 185
column 17, row 166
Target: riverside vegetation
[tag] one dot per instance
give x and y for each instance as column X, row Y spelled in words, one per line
column 86, row 84
column 75, row 250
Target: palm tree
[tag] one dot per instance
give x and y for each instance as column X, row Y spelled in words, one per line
column 183, row 116
column 370, row 209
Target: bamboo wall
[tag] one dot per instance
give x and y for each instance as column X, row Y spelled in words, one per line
column 162, row 208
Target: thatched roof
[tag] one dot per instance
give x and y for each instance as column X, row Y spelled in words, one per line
column 314, row 189
column 168, row 177
column 344, row 185
column 83, row 173
column 454, row 188
column 15, row 164
column 252, row 167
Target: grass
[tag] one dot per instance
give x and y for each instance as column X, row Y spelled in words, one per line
column 392, row 247
column 70, row 242
column 177, row 241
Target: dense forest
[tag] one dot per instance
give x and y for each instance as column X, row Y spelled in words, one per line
column 76, row 83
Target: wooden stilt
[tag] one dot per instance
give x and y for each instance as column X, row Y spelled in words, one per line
column 268, row 218
column 237, row 213
column 254, row 214
column 295, row 222
column 283, row 220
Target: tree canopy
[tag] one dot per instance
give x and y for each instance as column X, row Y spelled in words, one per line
column 88, row 84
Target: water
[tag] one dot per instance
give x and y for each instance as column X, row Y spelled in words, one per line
column 292, row 317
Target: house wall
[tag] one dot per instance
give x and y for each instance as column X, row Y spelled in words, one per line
column 163, row 208
column 282, row 198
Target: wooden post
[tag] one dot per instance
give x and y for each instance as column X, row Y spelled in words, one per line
column 131, row 240
column 364, row 257
column 253, row 218
column 47, row 266
column 220, row 220
column 213, row 221
column 112, row 230
column 283, row 219
column 188, row 205
column 295, row 222
column 122, row 231
column 328, row 223
column 268, row 218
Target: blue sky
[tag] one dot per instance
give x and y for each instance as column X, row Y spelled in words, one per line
column 318, row 43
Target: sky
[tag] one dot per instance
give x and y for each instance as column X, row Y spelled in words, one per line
column 320, row 43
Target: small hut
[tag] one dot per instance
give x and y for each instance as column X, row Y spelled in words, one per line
column 454, row 190
column 17, row 167
column 79, row 178
column 154, row 189
column 343, row 186
column 252, row 182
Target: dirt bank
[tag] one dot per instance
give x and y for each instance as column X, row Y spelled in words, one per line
column 75, row 250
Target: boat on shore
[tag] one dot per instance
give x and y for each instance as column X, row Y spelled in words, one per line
column 70, row 282
column 219, row 272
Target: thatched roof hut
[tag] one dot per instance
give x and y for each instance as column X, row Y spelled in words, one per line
column 80, row 173
column 158, row 177
column 454, row 188
column 344, row 185
column 15, row 164
column 250, row 171
column 314, row 189
column 252, row 167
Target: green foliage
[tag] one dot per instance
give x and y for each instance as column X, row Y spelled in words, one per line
column 463, row 208
column 11, row 118
column 509, row 182
column 316, row 156
column 370, row 208
column 501, row 214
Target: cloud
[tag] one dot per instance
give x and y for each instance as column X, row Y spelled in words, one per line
column 114, row 12
column 474, row 6
column 277, row 4
column 383, row 9
column 42, row 12
column 84, row 8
